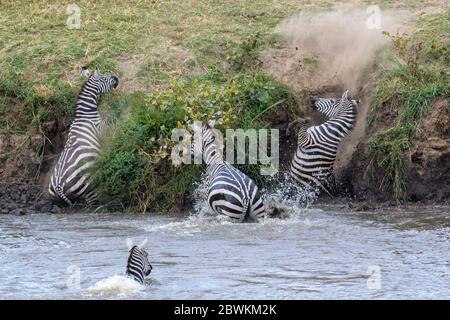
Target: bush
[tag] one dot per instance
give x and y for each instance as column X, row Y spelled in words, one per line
column 135, row 168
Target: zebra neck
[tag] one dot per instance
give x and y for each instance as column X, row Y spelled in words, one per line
column 212, row 160
column 86, row 106
column 302, row 136
column 349, row 116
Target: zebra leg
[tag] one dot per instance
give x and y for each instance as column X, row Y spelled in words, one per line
column 91, row 198
column 331, row 184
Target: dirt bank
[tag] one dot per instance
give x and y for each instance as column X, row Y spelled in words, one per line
column 26, row 160
column 426, row 165
column 324, row 54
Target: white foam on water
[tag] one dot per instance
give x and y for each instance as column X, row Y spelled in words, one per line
column 195, row 223
column 293, row 209
column 115, row 285
column 292, row 203
column 200, row 196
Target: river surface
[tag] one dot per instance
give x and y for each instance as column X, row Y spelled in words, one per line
column 319, row 253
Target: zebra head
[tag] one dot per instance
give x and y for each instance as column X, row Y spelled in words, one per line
column 332, row 106
column 206, row 141
column 138, row 266
column 100, row 83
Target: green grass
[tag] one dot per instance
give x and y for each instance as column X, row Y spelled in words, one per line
column 419, row 76
column 41, row 59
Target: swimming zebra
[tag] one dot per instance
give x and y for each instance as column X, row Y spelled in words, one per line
column 230, row 191
column 138, row 266
column 70, row 179
column 312, row 165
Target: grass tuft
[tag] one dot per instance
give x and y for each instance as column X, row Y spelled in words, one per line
column 409, row 89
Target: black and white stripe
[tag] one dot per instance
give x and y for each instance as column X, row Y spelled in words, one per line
column 312, row 165
column 230, row 191
column 70, row 179
column 138, row 266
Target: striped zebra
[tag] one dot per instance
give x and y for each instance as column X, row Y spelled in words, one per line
column 230, row 191
column 138, row 266
column 70, row 179
column 312, row 165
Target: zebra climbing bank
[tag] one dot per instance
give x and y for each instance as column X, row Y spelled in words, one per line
column 70, row 179
column 230, row 191
column 312, row 164
column 138, row 266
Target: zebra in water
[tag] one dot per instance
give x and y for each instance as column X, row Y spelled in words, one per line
column 138, row 266
column 312, row 165
column 230, row 191
column 70, row 179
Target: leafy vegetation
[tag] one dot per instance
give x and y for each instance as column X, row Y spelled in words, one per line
column 135, row 168
column 409, row 89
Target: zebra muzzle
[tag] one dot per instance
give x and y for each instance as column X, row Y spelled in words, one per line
column 312, row 102
column 116, row 81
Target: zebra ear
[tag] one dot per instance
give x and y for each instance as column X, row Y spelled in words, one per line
column 344, row 95
column 96, row 72
column 85, row 72
column 129, row 243
column 211, row 123
column 143, row 244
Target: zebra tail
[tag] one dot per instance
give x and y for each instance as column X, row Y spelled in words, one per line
column 247, row 208
column 61, row 194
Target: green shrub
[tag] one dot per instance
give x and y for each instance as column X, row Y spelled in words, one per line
column 417, row 78
column 135, row 167
column 387, row 151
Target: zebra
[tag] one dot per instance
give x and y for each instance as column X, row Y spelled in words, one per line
column 230, row 191
column 312, row 164
column 138, row 266
column 70, row 179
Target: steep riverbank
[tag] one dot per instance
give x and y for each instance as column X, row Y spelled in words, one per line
column 372, row 171
column 401, row 80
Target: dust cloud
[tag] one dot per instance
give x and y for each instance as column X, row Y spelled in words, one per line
column 328, row 52
column 343, row 41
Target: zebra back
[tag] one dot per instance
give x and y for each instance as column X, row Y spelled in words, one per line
column 312, row 164
column 231, row 192
column 70, row 179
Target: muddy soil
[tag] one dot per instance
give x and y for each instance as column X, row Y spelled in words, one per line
column 26, row 161
column 427, row 168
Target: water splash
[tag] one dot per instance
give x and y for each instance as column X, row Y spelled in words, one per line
column 200, row 197
column 114, row 286
column 287, row 198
